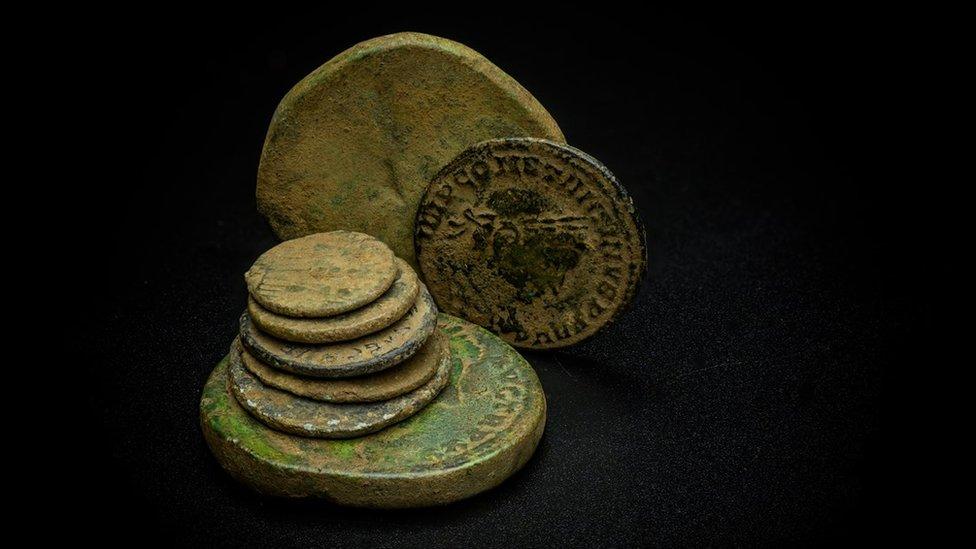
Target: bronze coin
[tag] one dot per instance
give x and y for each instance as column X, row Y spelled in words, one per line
column 384, row 385
column 534, row 240
column 368, row 354
column 313, row 418
column 390, row 307
column 482, row 428
column 321, row 274
column 354, row 144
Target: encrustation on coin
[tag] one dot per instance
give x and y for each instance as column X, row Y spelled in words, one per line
column 354, row 144
column 313, row 418
column 534, row 240
column 321, row 274
column 383, row 385
column 387, row 309
column 371, row 353
column 482, row 428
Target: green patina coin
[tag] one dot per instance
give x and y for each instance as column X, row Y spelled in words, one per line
column 313, row 418
column 482, row 428
column 372, row 353
column 354, row 144
column 386, row 310
column 534, row 240
column 322, row 274
column 384, row 385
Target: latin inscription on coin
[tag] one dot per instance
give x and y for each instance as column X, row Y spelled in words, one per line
column 532, row 239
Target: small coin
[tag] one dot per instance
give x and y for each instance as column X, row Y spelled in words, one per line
column 368, row 354
column 534, row 240
column 354, row 144
column 312, row 418
column 390, row 307
column 389, row 383
column 321, row 274
column 482, row 428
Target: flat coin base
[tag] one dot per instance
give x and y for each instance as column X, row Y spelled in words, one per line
column 482, row 428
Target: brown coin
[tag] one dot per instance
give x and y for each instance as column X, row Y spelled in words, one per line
column 321, row 274
column 354, row 144
column 312, row 418
column 390, row 307
column 389, row 383
column 368, row 354
column 534, row 240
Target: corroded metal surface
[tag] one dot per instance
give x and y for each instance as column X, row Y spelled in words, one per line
column 372, row 353
column 354, row 144
column 390, row 307
column 313, row 418
column 534, row 240
column 402, row 378
column 482, row 428
column 321, row 274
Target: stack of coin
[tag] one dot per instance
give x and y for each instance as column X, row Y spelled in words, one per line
column 340, row 338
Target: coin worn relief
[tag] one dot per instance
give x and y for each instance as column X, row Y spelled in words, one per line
column 534, row 240
column 354, row 144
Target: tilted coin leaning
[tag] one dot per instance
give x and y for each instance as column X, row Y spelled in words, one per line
column 534, row 240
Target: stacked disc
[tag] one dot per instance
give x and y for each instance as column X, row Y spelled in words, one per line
column 339, row 339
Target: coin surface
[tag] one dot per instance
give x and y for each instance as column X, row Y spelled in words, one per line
column 387, row 309
column 483, row 427
column 368, row 354
column 384, row 385
column 321, row 274
column 354, row 144
column 534, row 240
column 302, row 416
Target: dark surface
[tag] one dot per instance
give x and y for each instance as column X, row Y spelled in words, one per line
column 740, row 400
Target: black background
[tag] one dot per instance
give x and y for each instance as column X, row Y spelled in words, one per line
column 739, row 401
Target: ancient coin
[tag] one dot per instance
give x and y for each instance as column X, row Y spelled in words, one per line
column 368, row 354
column 482, row 428
column 322, row 274
column 390, row 307
column 384, row 385
column 534, row 240
column 354, row 144
column 289, row 413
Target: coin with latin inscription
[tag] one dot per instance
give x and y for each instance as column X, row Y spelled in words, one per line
column 482, row 427
column 383, row 385
column 354, row 144
column 387, row 309
column 322, row 274
column 532, row 239
column 302, row 416
column 371, row 353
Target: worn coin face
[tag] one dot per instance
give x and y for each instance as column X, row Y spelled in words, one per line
column 321, row 274
column 388, row 308
column 481, row 429
column 368, row 354
column 354, row 144
column 384, row 385
column 531, row 239
column 313, row 418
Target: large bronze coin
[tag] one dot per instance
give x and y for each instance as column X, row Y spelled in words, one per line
column 368, row 354
column 390, row 307
column 354, row 144
column 482, row 428
column 313, row 418
column 389, row 383
column 322, row 274
column 534, row 240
